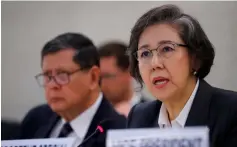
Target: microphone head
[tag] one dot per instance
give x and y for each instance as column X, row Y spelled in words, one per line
column 100, row 128
column 104, row 125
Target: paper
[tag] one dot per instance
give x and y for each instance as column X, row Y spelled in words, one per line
column 50, row 142
column 155, row 137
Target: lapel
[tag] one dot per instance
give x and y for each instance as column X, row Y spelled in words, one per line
column 103, row 112
column 45, row 130
column 198, row 115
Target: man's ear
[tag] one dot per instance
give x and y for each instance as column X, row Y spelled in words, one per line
column 94, row 76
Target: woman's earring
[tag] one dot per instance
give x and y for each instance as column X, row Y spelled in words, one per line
column 194, row 72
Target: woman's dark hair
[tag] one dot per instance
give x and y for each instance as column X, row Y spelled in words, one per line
column 189, row 30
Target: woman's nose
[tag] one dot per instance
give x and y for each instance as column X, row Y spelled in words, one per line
column 157, row 61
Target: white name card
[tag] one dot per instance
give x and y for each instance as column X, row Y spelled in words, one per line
column 155, row 137
column 50, row 142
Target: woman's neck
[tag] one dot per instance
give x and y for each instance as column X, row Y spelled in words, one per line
column 177, row 103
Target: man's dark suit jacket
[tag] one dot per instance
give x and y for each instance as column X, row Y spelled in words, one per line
column 212, row 107
column 9, row 129
column 40, row 121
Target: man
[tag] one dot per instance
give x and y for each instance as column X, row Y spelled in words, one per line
column 116, row 82
column 70, row 77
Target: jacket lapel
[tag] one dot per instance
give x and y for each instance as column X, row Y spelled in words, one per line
column 103, row 113
column 45, row 130
column 99, row 116
column 198, row 115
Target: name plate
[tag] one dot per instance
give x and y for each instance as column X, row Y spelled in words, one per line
column 50, row 142
column 155, row 137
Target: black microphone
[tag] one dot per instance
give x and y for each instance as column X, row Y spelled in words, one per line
column 100, row 129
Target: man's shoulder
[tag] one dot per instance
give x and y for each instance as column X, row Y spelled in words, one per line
column 39, row 114
column 43, row 109
column 34, row 119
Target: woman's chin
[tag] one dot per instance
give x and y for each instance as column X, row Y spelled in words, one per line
column 163, row 97
column 163, row 94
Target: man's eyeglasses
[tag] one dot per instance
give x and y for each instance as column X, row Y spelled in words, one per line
column 61, row 78
column 164, row 51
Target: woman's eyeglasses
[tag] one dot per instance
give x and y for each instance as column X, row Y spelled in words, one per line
column 164, row 51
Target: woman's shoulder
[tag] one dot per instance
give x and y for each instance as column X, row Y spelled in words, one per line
column 224, row 103
column 143, row 114
column 147, row 106
column 224, row 97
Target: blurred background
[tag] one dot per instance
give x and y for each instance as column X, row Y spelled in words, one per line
column 26, row 26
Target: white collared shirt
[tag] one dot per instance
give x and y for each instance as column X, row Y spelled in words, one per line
column 80, row 124
column 180, row 120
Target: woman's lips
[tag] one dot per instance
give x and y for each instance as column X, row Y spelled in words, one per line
column 160, row 82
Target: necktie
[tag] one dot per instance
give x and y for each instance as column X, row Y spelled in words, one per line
column 66, row 130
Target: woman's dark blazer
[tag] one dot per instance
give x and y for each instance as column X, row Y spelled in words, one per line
column 212, row 107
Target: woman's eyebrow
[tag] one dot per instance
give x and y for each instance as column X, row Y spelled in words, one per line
column 143, row 46
column 159, row 43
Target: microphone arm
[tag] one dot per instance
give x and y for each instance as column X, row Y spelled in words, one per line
column 98, row 130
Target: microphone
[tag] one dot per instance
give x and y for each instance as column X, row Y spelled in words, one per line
column 100, row 129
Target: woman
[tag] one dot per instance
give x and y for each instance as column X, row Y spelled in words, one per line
column 171, row 55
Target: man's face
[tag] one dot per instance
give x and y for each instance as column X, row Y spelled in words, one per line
column 114, row 82
column 68, row 96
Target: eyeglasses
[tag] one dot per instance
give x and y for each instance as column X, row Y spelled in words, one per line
column 61, row 78
column 164, row 50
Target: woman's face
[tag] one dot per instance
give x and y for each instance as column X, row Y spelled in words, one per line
column 165, row 71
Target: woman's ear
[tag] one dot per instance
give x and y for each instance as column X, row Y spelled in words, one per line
column 95, row 77
column 195, row 65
